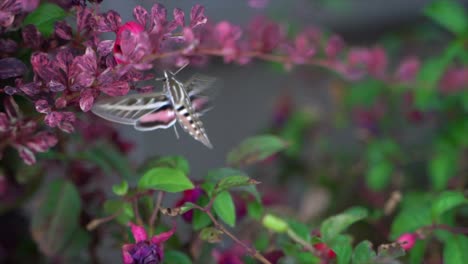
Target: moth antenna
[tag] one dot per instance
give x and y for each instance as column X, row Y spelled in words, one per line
column 177, row 134
column 181, row 68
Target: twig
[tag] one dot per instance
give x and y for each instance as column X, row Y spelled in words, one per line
column 302, row 242
column 96, row 222
column 154, row 214
column 252, row 251
column 137, row 213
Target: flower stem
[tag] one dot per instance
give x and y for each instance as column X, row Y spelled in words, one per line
column 154, row 214
column 252, row 251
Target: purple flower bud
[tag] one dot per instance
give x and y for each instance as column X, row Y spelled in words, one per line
column 158, row 18
column 109, row 22
column 63, row 30
column 408, row 69
column 105, row 47
column 67, row 121
column 197, row 16
column 264, row 35
column 334, row 46
column 42, row 106
column 29, row 5
column 84, row 18
column 42, row 141
column 11, row 67
column 10, row 90
column 27, row 155
column 179, row 17
column 141, row 15
column 60, row 102
column 64, row 59
column 11, row 108
column 377, row 63
column 55, row 86
column 86, row 66
column 118, row 88
column 30, row 89
column 32, row 37
column 86, row 100
column 8, row 46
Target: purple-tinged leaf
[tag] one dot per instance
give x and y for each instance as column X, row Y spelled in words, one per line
column 119, row 88
column 27, row 155
column 42, row 66
column 86, row 100
column 4, row 122
column 29, row 5
column 67, row 121
column 84, row 19
column 141, row 15
column 60, row 102
column 42, row 141
column 86, row 66
column 64, row 59
column 6, row 18
column 8, row 46
column 32, row 37
column 30, row 89
column 105, row 47
column 11, row 108
column 42, row 106
column 11, row 67
column 179, row 17
column 63, row 30
column 52, row 119
column 334, row 46
column 158, row 17
column 109, row 22
column 197, row 16
column 55, row 86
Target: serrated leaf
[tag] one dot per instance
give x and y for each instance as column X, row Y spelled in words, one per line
column 176, row 257
column 175, row 162
column 334, row 225
column 120, row 189
column 233, row 182
column 123, row 209
column 456, row 250
column 165, row 179
column 255, row 149
column 57, row 218
column 449, row 14
column 447, row 201
column 44, row 18
column 211, row 235
column 363, row 253
column 224, row 207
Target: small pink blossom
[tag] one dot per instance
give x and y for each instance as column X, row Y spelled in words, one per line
column 259, row 4
column 407, row 240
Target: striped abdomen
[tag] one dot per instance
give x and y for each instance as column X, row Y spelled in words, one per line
column 191, row 123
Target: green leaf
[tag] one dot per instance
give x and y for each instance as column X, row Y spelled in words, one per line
column 255, row 210
column 79, row 242
column 123, row 209
column 44, row 18
column 165, row 179
column 365, row 93
column 300, row 229
column 224, row 207
column 411, row 218
column 175, row 162
column 255, row 149
column 275, row 223
column 379, row 175
column 56, row 220
column 176, row 257
column 456, row 250
column 416, row 254
column 114, row 159
column 443, row 166
column 295, row 131
column 120, row 189
column 211, row 235
column 233, row 182
column 200, row 220
column 449, row 14
column 363, row 253
column 447, row 201
column 217, row 175
column 334, row 225
column 343, row 249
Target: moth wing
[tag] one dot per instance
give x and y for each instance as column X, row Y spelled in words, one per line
column 162, row 118
column 201, row 90
column 130, row 108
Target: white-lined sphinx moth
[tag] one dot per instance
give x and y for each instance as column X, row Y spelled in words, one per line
column 178, row 102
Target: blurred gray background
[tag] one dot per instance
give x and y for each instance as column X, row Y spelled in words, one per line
column 246, row 97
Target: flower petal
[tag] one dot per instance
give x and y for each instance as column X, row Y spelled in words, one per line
column 163, row 237
column 139, row 232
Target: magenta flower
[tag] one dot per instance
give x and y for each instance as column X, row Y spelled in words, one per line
column 145, row 251
column 259, row 4
column 454, row 80
column 230, row 256
column 191, row 196
column 407, row 240
column 408, row 69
